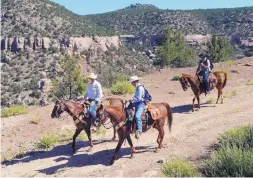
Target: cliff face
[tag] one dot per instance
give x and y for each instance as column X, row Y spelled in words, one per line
column 72, row 44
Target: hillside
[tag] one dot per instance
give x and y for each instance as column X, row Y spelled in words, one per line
column 45, row 18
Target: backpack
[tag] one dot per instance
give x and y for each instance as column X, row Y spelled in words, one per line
column 147, row 96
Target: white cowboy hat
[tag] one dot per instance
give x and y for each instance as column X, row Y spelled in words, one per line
column 93, row 76
column 133, row 78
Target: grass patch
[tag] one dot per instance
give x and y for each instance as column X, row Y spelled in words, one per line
column 249, row 82
column 14, row 110
column 233, row 92
column 68, row 135
column 230, row 62
column 210, row 101
column 48, row 141
column 179, row 168
column 234, row 155
column 35, row 121
column 122, row 88
column 175, row 78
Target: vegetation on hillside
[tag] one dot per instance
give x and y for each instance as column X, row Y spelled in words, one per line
column 220, row 49
column 70, row 84
column 175, row 51
column 20, row 18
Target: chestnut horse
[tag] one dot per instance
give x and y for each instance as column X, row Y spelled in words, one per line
column 194, row 82
column 119, row 120
column 80, row 117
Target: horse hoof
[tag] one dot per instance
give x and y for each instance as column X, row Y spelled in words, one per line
column 90, row 149
column 157, row 150
column 132, row 156
column 114, row 139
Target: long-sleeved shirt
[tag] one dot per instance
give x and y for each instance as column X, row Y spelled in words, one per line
column 94, row 91
column 139, row 94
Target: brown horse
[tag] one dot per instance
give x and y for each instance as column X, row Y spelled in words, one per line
column 76, row 111
column 81, row 120
column 119, row 120
column 194, row 82
column 116, row 102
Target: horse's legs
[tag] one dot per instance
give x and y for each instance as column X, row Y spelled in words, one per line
column 193, row 100
column 78, row 131
column 198, row 101
column 219, row 94
column 114, row 134
column 129, row 140
column 121, row 140
column 88, row 132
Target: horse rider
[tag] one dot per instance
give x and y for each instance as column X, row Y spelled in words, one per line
column 94, row 95
column 138, row 103
column 204, row 70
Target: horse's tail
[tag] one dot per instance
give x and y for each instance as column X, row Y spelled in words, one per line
column 170, row 118
column 225, row 81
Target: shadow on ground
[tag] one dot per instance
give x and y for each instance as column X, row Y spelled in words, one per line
column 63, row 153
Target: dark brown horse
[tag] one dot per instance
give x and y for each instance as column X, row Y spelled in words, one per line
column 219, row 82
column 119, row 119
column 81, row 120
column 76, row 111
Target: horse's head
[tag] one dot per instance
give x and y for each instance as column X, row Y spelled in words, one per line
column 59, row 108
column 184, row 83
column 102, row 114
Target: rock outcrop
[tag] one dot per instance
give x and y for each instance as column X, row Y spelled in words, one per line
column 72, row 44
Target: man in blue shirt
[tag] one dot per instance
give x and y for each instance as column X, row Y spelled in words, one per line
column 138, row 103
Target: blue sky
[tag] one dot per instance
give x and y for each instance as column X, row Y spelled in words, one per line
column 84, row 7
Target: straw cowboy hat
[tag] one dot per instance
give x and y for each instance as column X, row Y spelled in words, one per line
column 133, row 79
column 93, row 76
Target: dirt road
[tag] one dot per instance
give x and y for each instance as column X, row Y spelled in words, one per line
column 192, row 133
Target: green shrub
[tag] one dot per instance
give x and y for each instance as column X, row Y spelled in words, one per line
column 175, row 78
column 179, row 168
column 48, row 141
column 239, row 137
column 230, row 162
column 13, row 110
column 234, row 156
column 122, row 88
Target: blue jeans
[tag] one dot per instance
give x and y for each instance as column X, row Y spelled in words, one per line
column 205, row 78
column 92, row 112
column 139, row 108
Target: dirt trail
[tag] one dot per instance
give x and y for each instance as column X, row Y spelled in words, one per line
column 192, row 133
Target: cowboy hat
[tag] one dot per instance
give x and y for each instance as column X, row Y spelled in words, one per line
column 93, row 76
column 133, row 78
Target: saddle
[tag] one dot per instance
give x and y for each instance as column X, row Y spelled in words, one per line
column 211, row 80
column 149, row 115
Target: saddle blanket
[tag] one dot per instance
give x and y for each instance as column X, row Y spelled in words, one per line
column 154, row 111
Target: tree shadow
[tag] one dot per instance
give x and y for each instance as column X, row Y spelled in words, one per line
column 63, row 153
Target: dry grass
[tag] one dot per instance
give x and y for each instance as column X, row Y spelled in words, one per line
column 230, row 62
column 211, row 100
column 249, row 82
column 35, row 121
